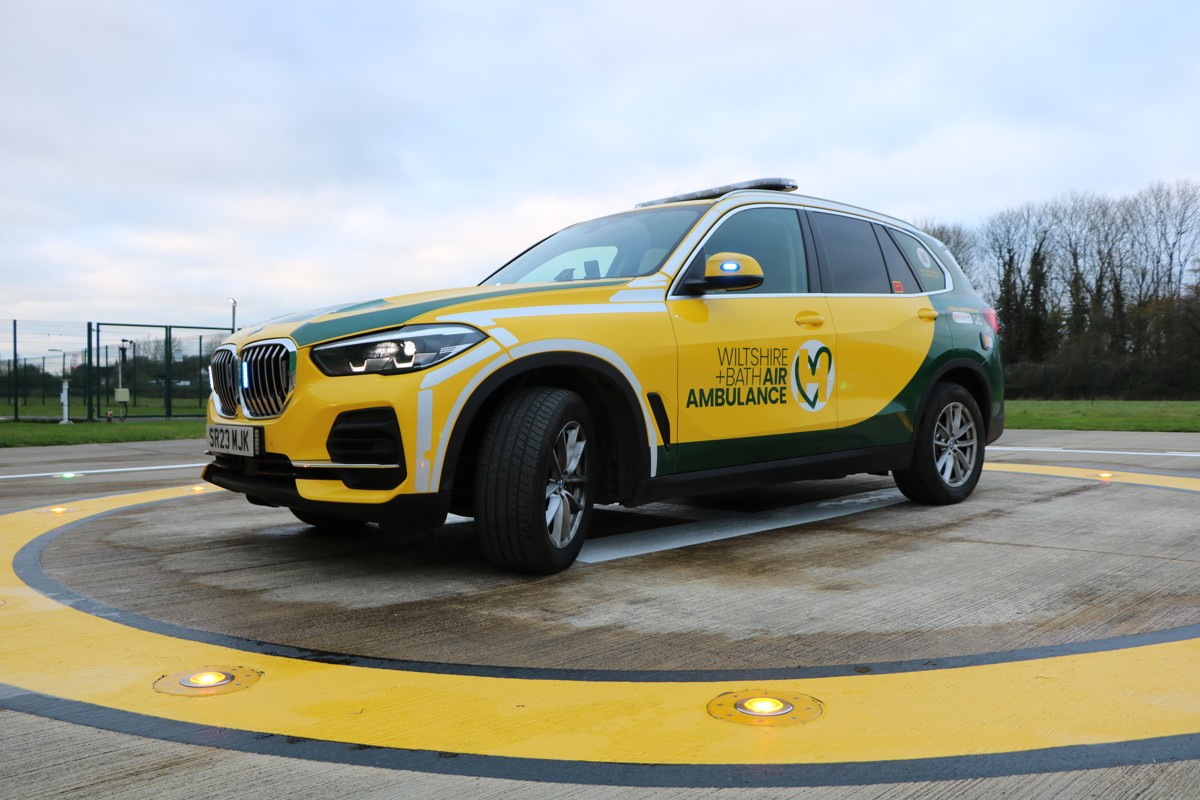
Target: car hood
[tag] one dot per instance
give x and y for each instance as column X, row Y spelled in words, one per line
column 335, row 322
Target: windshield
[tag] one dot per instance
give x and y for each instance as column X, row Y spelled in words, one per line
column 620, row 246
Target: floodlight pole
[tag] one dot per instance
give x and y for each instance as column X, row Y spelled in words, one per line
column 66, row 385
column 120, row 360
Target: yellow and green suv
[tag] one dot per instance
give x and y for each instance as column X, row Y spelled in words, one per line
column 714, row 340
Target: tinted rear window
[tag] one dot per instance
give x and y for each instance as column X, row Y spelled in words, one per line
column 852, row 254
column 922, row 261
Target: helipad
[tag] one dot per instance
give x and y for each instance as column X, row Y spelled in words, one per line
column 1047, row 626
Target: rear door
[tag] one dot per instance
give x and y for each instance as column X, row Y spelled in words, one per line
column 885, row 327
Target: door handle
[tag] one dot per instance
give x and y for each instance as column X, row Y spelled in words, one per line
column 927, row 314
column 811, row 318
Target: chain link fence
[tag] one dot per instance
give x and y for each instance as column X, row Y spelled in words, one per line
column 86, row 371
column 161, row 371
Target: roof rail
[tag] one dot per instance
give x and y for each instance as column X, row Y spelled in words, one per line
column 768, row 184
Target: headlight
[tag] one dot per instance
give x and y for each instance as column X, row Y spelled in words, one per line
column 391, row 352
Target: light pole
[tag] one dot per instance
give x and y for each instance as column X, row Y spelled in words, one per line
column 233, row 318
column 65, row 396
column 122, row 394
column 62, row 373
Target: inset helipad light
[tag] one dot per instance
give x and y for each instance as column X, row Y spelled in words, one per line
column 67, row 475
column 204, row 680
column 197, row 488
column 1105, row 475
column 56, row 510
column 765, row 707
column 207, row 681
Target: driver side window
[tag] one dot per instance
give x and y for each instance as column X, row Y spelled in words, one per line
column 769, row 235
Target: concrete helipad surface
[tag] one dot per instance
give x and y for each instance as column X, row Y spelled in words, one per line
column 1039, row 639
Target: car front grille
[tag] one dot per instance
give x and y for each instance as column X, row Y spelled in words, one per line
column 222, row 374
column 268, row 377
column 260, row 378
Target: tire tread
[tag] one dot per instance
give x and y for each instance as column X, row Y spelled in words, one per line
column 509, row 473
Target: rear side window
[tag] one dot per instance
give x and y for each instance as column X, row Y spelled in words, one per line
column 901, row 275
column 851, row 253
column 928, row 271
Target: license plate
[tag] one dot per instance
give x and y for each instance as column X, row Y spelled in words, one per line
column 237, row 440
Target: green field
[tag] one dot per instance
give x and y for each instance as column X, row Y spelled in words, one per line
column 27, row 434
column 35, row 409
column 1104, row 415
column 1076, row 415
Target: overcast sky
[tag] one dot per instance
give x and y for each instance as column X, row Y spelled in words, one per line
column 157, row 158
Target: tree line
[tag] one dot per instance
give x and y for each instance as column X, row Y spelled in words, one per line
column 1097, row 296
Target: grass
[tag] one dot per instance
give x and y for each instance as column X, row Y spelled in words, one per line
column 1104, row 415
column 1074, row 415
column 146, row 407
column 29, row 434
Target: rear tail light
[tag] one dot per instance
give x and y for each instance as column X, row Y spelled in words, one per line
column 989, row 314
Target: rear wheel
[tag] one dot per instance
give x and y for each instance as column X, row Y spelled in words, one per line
column 534, row 486
column 948, row 456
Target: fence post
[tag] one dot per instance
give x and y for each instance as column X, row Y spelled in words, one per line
column 87, row 370
column 16, row 379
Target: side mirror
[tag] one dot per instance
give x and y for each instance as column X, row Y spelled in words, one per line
column 728, row 272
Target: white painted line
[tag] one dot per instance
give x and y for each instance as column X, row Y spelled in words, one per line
column 81, row 472
column 610, row 548
column 992, row 448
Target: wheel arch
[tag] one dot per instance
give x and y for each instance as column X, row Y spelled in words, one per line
column 617, row 411
column 971, row 376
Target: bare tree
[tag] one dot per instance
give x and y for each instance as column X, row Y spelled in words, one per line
column 1113, row 250
column 1006, row 244
column 1166, row 231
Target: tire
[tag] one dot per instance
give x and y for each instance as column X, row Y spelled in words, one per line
column 948, row 456
column 327, row 522
column 534, row 482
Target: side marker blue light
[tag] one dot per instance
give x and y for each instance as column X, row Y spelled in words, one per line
column 730, row 266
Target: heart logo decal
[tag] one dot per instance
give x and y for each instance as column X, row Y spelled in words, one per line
column 812, row 375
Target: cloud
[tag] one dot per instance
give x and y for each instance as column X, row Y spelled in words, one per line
column 157, row 158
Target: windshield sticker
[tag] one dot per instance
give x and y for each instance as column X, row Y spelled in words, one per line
column 963, row 318
column 813, row 375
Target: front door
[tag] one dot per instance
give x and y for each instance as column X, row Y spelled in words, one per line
column 757, row 367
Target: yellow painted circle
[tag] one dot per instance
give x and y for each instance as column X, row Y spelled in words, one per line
column 57, row 650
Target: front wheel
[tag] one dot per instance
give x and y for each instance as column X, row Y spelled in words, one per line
column 534, row 486
column 948, row 456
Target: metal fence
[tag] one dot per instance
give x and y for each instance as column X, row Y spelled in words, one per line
column 103, row 368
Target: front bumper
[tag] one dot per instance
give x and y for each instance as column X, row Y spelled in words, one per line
column 272, row 481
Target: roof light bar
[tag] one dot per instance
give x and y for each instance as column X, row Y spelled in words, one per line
column 768, row 184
